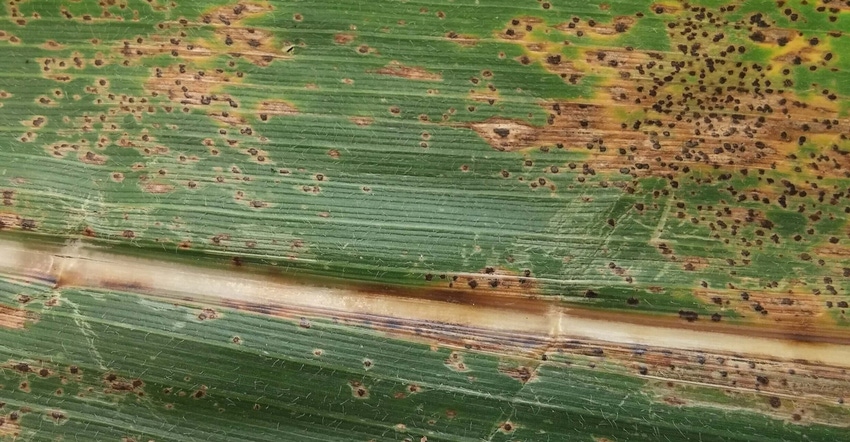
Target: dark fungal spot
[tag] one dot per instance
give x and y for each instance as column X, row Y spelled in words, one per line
column 688, row 315
column 507, row 427
column 502, row 132
column 57, row 415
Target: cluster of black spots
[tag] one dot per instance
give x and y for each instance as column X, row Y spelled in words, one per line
column 688, row 315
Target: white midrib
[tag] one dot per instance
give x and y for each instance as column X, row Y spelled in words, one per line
column 78, row 266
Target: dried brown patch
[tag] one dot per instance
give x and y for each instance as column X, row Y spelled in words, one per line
column 618, row 25
column 522, row 374
column 255, row 45
column 155, row 186
column 491, row 282
column 240, row 40
column 396, row 69
column 668, row 127
column 14, row 318
column 664, row 8
column 9, row 428
column 796, row 310
column 362, row 121
column 228, row 15
column 508, row 135
column 695, row 263
column 673, row 400
column 8, row 220
column 276, row 108
column 228, row 118
column 155, row 45
column 832, row 251
column 455, row 362
column 462, row 39
column 773, row 36
column 52, row 45
column 507, row 427
column 754, row 380
column 208, row 314
column 90, row 157
column 653, row 151
column 8, row 197
column 484, row 95
column 188, row 87
column 358, row 390
column 114, row 384
column 8, row 36
column 343, row 39
column 35, row 122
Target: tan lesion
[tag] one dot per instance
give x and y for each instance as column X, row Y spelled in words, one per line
column 362, row 121
column 255, row 45
column 91, row 157
column 8, row 36
column 228, row 118
column 14, row 318
column 343, row 38
column 740, row 133
column 833, row 251
column 237, row 38
column 582, row 28
column 488, row 94
column 227, row 15
column 154, row 185
column 190, row 87
column 9, row 428
column 52, row 45
column 134, row 50
column 794, row 310
column 397, row 69
column 467, row 40
column 275, row 108
column 521, row 373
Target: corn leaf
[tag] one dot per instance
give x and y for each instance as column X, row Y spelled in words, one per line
column 454, row 220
